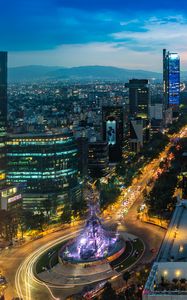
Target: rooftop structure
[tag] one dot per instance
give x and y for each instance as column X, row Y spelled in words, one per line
column 169, row 273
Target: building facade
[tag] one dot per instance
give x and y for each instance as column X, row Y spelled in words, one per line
column 113, row 122
column 98, row 159
column 171, row 79
column 167, row 278
column 10, row 197
column 3, row 115
column 139, row 97
column 42, row 165
column 139, row 133
column 82, row 145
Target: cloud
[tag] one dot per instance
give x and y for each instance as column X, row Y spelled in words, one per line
column 64, row 32
column 107, row 54
column 125, row 23
column 167, row 32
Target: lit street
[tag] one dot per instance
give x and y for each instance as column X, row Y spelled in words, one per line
column 20, row 260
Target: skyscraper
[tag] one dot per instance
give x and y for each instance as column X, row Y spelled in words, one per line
column 139, row 97
column 171, row 79
column 98, row 159
column 3, row 114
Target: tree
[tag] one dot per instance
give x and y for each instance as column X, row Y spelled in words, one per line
column 2, row 222
column 183, row 280
column 9, row 222
column 121, row 296
column 66, row 214
column 109, row 293
column 79, row 206
column 39, row 220
column 54, row 203
column 27, row 218
column 108, row 195
column 47, row 204
column 126, row 276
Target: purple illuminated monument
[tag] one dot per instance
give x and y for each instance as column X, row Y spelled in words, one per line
column 94, row 243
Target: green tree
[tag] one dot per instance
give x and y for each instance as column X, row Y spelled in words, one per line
column 66, row 214
column 39, row 221
column 109, row 293
column 27, row 218
column 126, row 276
column 47, row 205
column 108, row 195
column 9, row 222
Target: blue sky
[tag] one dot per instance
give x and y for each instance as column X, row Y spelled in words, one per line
column 129, row 34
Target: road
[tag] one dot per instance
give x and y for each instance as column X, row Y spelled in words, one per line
column 133, row 193
column 16, row 263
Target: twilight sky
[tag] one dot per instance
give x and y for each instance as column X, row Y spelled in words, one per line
column 123, row 33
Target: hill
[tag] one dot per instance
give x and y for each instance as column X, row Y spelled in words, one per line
column 40, row 73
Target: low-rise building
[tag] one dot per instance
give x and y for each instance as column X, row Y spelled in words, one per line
column 10, row 197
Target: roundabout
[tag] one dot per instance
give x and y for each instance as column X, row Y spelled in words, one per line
column 93, row 254
column 54, row 273
column 83, row 257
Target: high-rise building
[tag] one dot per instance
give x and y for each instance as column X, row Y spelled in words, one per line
column 156, row 116
column 44, row 166
column 139, row 97
column 98, row 159
column 3, row 115
column 82, row 145
column 112, row 117
column 10, row 196
column 171, row 79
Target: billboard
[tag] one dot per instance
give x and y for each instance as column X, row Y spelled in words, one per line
column 111, row 132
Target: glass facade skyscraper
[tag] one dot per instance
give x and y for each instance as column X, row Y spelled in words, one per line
column 42, row 164
column 3, row 115
column 171, row 79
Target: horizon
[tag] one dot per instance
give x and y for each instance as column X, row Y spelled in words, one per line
column 68, row 67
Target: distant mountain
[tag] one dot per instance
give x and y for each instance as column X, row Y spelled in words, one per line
column 40, row 73
column 29, row 73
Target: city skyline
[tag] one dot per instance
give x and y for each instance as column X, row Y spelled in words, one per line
column 127, row 35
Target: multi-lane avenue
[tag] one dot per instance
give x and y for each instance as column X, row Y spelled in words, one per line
column 17, row 263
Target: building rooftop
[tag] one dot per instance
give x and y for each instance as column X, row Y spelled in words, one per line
column 169, row 272
column 56, row 132
column 174, row 246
